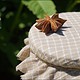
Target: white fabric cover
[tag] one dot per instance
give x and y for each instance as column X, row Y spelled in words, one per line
column 39, row 63
column 61, row 48
column 36, row 69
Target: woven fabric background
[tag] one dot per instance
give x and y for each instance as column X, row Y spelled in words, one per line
column 61, row 48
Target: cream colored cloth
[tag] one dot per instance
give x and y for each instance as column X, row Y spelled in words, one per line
column 36, row 69
column 44, row 56
column 61, row 48
column 67, row 75
column 32, row 67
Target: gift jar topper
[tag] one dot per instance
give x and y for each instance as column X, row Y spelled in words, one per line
column 50, row 24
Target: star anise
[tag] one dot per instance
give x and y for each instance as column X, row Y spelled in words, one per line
column 50, row 24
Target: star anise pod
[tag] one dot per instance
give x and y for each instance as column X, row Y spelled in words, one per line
column 50, row 24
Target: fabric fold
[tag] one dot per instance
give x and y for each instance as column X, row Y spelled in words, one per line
column 24, row 53
column 26, row 41
column 28, row 64
column 36, row 69
column 32, row 74
column 67, row 75
column 48, row 74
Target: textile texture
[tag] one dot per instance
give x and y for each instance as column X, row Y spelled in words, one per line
column 61, row 48
column 55, row 56
column 36, row 69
